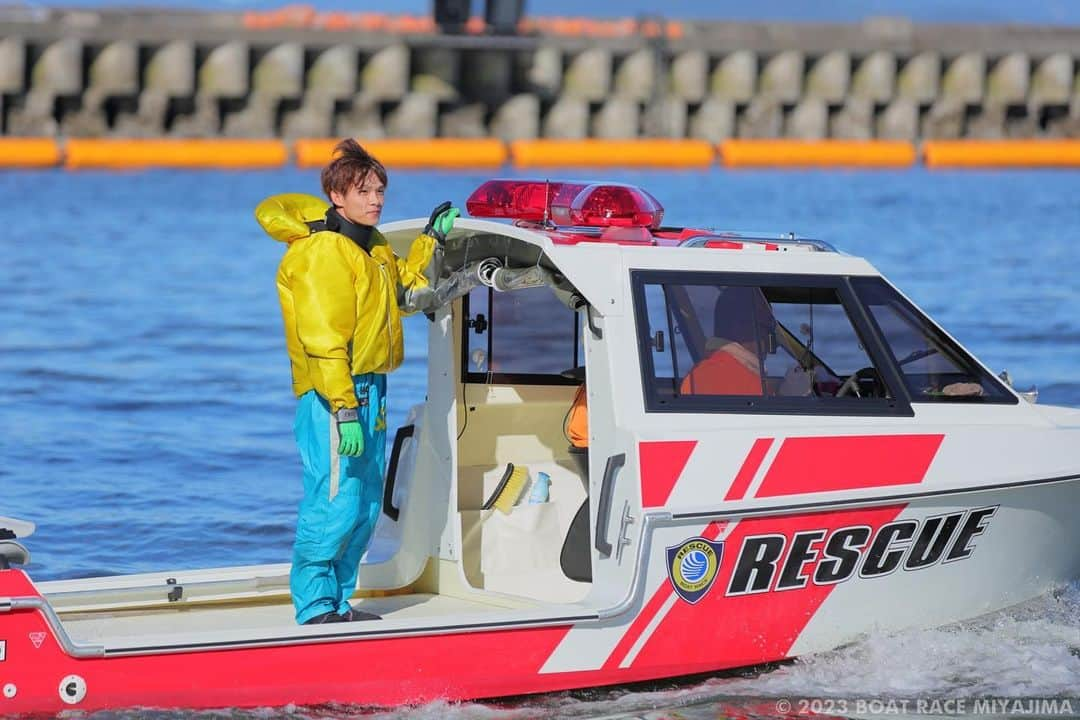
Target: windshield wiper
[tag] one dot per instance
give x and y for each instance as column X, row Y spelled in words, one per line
column 916, row 355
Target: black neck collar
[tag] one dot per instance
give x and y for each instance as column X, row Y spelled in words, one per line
column 359, row 234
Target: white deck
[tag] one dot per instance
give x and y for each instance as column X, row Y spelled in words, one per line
column 195, row 624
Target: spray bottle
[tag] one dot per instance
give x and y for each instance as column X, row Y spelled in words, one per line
column 541, row 489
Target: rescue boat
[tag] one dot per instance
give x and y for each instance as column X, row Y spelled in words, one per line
column 783, row 453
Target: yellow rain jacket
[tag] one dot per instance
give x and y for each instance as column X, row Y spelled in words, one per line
column 340, row 303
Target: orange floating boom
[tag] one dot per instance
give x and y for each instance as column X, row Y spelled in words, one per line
column 439, row 153
column 174, row 153
column 1001, row 153
column 612, row 153
column 27, row 152
column 817, row 153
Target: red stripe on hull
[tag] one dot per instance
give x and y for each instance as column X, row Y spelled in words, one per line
column 385, row 672
column 661, row 464
column 824, row 464
column 659, row 598
column 638, row 626
column 748, row 629
column 389, row 672
column 749, row 469
column 738, row 488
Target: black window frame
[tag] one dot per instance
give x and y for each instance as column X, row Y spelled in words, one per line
column 898, row 405
column 939, row 337
column 495, row 378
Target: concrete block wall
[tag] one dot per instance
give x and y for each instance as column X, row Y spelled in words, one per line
column 127, row 77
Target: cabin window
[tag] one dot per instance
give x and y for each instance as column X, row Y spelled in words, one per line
column 721, row 342
column 933, row 367
column 520, row 337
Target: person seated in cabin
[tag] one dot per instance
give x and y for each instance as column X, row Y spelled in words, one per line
column 743, row 332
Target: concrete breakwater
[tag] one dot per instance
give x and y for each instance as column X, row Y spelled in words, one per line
column 295, row 73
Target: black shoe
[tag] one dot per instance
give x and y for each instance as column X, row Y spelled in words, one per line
column 326, row 617
column 352, row 614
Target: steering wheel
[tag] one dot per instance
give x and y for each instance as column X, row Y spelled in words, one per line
column 849, row 386
column 853, row 384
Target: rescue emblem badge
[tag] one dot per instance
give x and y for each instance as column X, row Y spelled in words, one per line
column 692, row 567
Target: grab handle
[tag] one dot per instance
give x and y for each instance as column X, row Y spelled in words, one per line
column 580, row 302
column 607, row 489
column 597, row 332
column 404, row 433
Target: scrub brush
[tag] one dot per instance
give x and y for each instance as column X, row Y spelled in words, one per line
column 509, row 489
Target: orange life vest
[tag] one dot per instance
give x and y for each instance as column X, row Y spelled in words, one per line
column 577, row 420
column 722, row 373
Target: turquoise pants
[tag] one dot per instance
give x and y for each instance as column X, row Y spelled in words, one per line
column 342, row 499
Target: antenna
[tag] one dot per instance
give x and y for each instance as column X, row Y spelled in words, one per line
column 547, row 201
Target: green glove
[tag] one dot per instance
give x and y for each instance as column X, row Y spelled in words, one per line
column 441, row 221
column 352, row 438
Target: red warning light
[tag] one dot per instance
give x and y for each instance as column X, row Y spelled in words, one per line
column 529, row 200
column 608, row 205
column 566, row 203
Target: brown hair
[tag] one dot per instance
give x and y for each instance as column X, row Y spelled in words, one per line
column 350, row 167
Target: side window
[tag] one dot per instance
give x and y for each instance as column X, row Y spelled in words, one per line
column 934, row 368
column 519, row 337
column 715, row 342
column 667, row 359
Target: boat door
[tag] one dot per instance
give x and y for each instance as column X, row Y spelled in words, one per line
column 522, row 364
column 509, row 352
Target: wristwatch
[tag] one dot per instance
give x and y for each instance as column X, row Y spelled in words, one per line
column 346, row 415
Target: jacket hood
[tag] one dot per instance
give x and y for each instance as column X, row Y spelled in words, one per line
column 285, row 217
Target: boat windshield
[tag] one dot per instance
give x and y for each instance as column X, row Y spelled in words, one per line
column 715, row 342
column 934, row 368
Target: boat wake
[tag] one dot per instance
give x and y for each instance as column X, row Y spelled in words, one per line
column 1030, row 650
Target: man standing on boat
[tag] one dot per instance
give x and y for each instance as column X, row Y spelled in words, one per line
column 342, row 292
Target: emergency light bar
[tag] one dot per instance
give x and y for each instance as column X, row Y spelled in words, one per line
column 566, row 203
column 529, row 200
column 609, row 205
